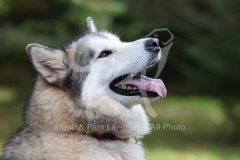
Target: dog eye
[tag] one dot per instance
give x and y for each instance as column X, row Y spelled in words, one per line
column 104, row 54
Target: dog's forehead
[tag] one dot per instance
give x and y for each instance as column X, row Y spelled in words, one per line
column 84, row 39
column 101, row 35
column 110, row 36
column 95, row 41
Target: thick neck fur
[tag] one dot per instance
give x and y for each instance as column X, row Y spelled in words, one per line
column 56, row 111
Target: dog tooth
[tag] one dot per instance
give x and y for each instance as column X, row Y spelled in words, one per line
column 120, row 86
column 124, row 87
column 134, row 88
column 129, row 88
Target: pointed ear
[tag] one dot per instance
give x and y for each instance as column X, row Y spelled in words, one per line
column 52, row 64
column 90, row 25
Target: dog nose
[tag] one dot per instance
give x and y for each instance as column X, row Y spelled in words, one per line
column 152, row 44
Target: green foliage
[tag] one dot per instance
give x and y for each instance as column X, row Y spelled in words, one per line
column 4, row 7
column 50, row 22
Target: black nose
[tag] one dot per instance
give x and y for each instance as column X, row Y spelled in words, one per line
column 152, row 44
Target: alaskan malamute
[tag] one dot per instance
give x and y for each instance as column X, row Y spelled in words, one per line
column 85, row 102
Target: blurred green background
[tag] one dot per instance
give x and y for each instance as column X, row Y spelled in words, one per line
column 202, row 72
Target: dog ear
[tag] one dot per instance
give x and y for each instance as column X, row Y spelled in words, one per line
column 90, row 25
column 52, row 64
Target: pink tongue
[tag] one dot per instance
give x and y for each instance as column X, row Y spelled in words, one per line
column 148, row 84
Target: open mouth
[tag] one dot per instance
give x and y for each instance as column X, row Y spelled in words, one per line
column 138, row 85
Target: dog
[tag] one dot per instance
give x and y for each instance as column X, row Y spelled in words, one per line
column 85, row 102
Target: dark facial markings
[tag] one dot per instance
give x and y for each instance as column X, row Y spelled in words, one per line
column 83, row 57
column 77, row 80
column 82, row 60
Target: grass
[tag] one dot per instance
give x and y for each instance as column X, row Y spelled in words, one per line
column 202, row 118
column 198, row 153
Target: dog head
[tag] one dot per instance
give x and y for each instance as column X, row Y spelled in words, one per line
column 99, row 65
